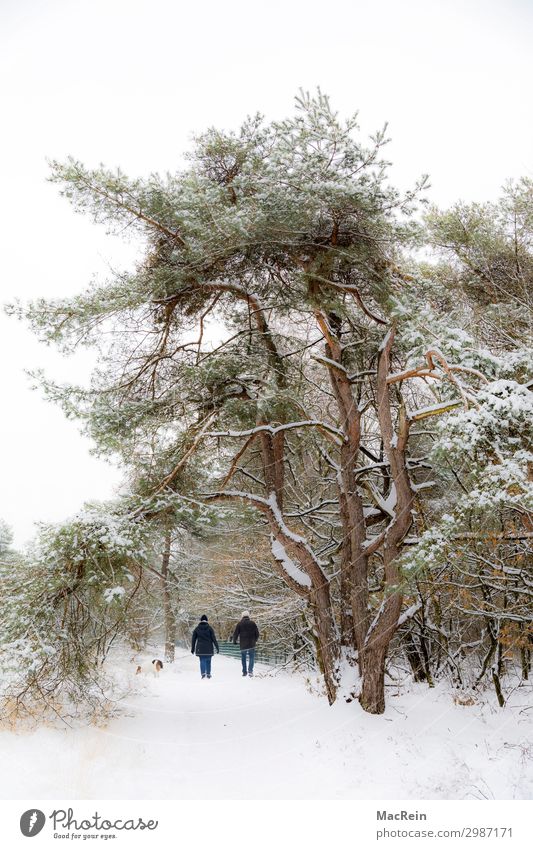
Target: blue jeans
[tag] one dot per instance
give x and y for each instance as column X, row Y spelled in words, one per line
column 205, row 664
column 251, row 658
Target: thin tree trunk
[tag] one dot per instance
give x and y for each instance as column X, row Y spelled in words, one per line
column 525, row 654
column 346, row 583
column 354, row 563
column 413, row 656
column 492, row 649
column 498, row 687
column 168, row 612
column 525, row 663
column 385, row 623
column 327, row 639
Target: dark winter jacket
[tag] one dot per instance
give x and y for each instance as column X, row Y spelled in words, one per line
column 203, row 639
column 247, row 632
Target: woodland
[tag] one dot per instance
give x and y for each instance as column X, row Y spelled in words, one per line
column 319, row 390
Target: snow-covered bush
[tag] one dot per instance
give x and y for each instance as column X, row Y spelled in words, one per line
column 68, row 601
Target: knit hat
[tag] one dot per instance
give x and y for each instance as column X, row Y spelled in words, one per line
column 245, row 613
column 203, row 618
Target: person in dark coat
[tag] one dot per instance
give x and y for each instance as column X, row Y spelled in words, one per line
column 204, row 642
column 247, row 633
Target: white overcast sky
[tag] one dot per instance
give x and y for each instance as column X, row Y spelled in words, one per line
column 126, row 82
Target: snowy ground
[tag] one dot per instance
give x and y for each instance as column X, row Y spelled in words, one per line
column 270, row 738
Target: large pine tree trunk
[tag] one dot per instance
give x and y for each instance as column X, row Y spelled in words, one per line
column 374, row 656
column 372, row 696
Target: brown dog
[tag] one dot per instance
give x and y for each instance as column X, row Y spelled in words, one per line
column 158, row 666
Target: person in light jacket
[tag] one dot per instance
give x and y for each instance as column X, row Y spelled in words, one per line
column 247, row 633
column 203, row 643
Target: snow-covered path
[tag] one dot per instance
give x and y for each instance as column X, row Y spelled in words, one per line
column 232, row 737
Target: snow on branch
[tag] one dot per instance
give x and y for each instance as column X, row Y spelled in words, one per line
column 387, row 340
column 237, row 494
column 281, row 532
column 433, row 410
column 290, row 567
column 386, row 505
column 428, row 370
column 409, row 613
column 329, row 362
column 273, row 430
column 272, row 502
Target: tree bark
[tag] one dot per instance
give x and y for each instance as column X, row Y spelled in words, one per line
column 372, row 698
column 327, row 639
column 373, row 657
